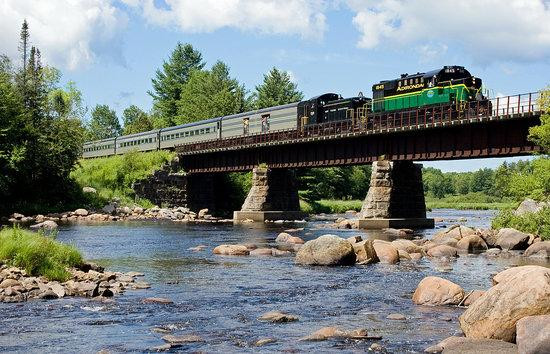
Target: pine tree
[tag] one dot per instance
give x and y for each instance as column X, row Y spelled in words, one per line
column 276, row 89
column 24, row 45
column 168, row 82
column 210, row 93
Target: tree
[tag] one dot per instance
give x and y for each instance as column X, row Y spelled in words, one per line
column 104, row 123
column 540, row 134
column 210, row 93
column 276, row 89
column 136, row 120
column 168, row 82
column 483, row 180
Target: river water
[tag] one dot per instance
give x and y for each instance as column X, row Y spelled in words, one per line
column 220, row 297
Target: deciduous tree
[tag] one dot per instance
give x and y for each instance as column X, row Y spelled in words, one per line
column 104, row 123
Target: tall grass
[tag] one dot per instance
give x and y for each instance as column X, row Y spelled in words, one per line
column 37, row 253
column 330, row 206
column 113, row 176
column 470, row 201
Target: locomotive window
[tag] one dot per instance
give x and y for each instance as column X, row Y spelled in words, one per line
column 202, row 131
column 246, row 124
column 399, row 84
column 416, row 81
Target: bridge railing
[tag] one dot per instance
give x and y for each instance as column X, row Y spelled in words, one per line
column 421, row 118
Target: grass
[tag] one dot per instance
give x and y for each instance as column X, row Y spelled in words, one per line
column 470, row 201
column 37, row 253
column 330, row 206
column 113, row 176
column 533, row 223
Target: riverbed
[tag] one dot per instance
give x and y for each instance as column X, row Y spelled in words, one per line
column 220, row 298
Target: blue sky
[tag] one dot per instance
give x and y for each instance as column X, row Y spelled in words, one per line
column 111, row 48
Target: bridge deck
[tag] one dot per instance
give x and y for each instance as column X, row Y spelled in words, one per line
column 502, row 108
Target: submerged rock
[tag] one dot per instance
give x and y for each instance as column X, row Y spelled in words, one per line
column 188, row 338
column 335, row 332
column 157, row 300
column 264, row 341
column 326, row 250
column 436, row 291
column 524, row 292
column 277, row 317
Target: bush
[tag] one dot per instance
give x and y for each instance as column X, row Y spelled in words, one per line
column 38, row 254
column 113, row 176
column 330, row 206
column 533, row 223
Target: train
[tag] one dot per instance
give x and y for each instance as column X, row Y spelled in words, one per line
column 450, row 85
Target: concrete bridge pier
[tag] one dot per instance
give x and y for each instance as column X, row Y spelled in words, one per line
column 395, row 197
column 273, row 196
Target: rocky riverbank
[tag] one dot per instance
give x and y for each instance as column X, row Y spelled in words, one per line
column 112, row 213
column 90, row 280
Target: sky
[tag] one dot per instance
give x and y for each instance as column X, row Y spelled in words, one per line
column 112, row 48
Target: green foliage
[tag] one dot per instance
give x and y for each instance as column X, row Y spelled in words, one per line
column 437, row 183
column 540, row 134
column 104, row 123
column 276, row 89
column 330, row 206
column 469, row 201
column 168, row 82
column 113, row 176
column 351, row 182
column 38, row 254
column 136, row 120
column 533, row 223
column 210, row 93
column 40, row 137
column 524, row 179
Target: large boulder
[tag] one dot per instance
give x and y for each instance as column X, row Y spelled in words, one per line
column 45, row 225
column 530, row 206
column 326, row 250
column 495, row 314
column 442, row 251
column 471, row 244
column 462, row 345
column 509, row 273
column 231, row 250
column 365, row 253
column 436, row 291
column 386, row 251
column 512, row 239
column 533, row 334
column 406, row 245
column 541, row 249
column 489, row 236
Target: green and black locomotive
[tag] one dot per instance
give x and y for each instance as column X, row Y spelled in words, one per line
column 449, row 85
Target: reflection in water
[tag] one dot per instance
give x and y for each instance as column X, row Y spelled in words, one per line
column 220, row 298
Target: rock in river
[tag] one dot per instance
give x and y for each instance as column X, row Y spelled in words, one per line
column 436, row 291
column 232, row 250
column 462, row 345
column 512, row 239
column 472, row 243
column 386, row 251
column 442, row 251
column 277, row 317
column 525, row 292
column 364, row 252
column 538, row 249
column 533, row 334
column 188, row 338
column 283, row 237
column 326, row 250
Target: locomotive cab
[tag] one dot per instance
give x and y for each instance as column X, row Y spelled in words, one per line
column 330, row 107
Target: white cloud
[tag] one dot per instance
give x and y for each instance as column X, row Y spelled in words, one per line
column 69, row 33
column 301, row 17
column 488, row 30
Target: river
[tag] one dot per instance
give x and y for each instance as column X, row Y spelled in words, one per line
column 220, row 298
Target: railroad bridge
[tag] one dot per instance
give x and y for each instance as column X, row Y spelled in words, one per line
column 390, row 141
